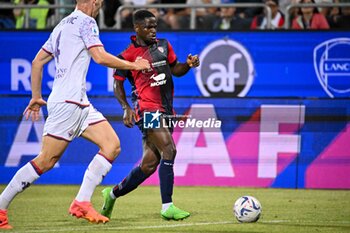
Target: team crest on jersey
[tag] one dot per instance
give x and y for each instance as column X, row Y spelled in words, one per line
column 161, row 49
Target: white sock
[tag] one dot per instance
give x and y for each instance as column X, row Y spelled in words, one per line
column 111, row 194
column 165, row 206
column 98, row 168
column 23, row 178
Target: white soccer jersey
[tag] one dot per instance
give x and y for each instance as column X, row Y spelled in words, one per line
column 69, row 43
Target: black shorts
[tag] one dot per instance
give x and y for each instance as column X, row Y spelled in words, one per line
column 144, row 131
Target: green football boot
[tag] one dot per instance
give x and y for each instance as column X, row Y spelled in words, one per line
column 108, row 203
column 174, row 213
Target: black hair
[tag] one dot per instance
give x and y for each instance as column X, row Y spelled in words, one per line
column 140, row 15
column 315, row 9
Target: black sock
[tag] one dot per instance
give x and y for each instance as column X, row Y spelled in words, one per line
column 166, row 179
column 134, row 179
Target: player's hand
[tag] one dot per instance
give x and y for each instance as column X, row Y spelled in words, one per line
column 129, row 117
column 192, row 61
column 142, row 64
column 33, row 109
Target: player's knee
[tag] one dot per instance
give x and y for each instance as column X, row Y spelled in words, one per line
column 169, row 153
column 111, row 150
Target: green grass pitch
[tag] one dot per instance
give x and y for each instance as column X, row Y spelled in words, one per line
column 44, row 208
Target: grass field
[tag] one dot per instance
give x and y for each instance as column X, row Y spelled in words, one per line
column 45, row 209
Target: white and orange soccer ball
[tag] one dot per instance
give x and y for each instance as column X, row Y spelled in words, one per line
column 247, row 209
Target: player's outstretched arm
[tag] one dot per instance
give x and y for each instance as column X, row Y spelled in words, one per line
column 38, row 63
column 102, row 57
column 36, row 102
column 119, row 93
column 180, row 69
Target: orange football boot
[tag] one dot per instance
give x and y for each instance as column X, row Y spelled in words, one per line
column 85, row 210
column 4, row 220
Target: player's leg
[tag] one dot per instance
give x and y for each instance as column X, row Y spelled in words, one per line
column 148, row 166
column 52, row 150
column 162, row 139
column 97, row 130
column 103, row 135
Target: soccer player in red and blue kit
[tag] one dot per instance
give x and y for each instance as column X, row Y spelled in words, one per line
column 152, row 91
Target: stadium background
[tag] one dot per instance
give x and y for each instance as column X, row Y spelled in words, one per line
column 288, row 130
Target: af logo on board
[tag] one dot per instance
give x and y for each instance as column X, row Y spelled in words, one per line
column 226, row 70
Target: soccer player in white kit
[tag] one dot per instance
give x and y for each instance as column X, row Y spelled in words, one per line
column 72, row 44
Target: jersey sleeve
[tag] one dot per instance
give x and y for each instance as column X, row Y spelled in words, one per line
column 120, row 74
column 48, row 46
column 90, row 33
column 172, row 59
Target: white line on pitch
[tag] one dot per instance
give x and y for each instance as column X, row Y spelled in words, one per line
column 104, row 227
column 131, row 227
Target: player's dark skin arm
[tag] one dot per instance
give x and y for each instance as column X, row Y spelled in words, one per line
column 180, row 69
column 119, row 93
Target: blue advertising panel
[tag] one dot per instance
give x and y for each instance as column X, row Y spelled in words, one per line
column 251, row 64
column 285, row 143
column 264, row 109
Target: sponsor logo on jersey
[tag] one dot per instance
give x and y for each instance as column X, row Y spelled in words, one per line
column 159, row 80
column 332, row 66
column 159, row 63
column 226, row 69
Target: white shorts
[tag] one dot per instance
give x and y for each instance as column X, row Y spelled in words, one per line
column 67, row 121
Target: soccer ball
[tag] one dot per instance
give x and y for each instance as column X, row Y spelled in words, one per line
column 247, row 209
